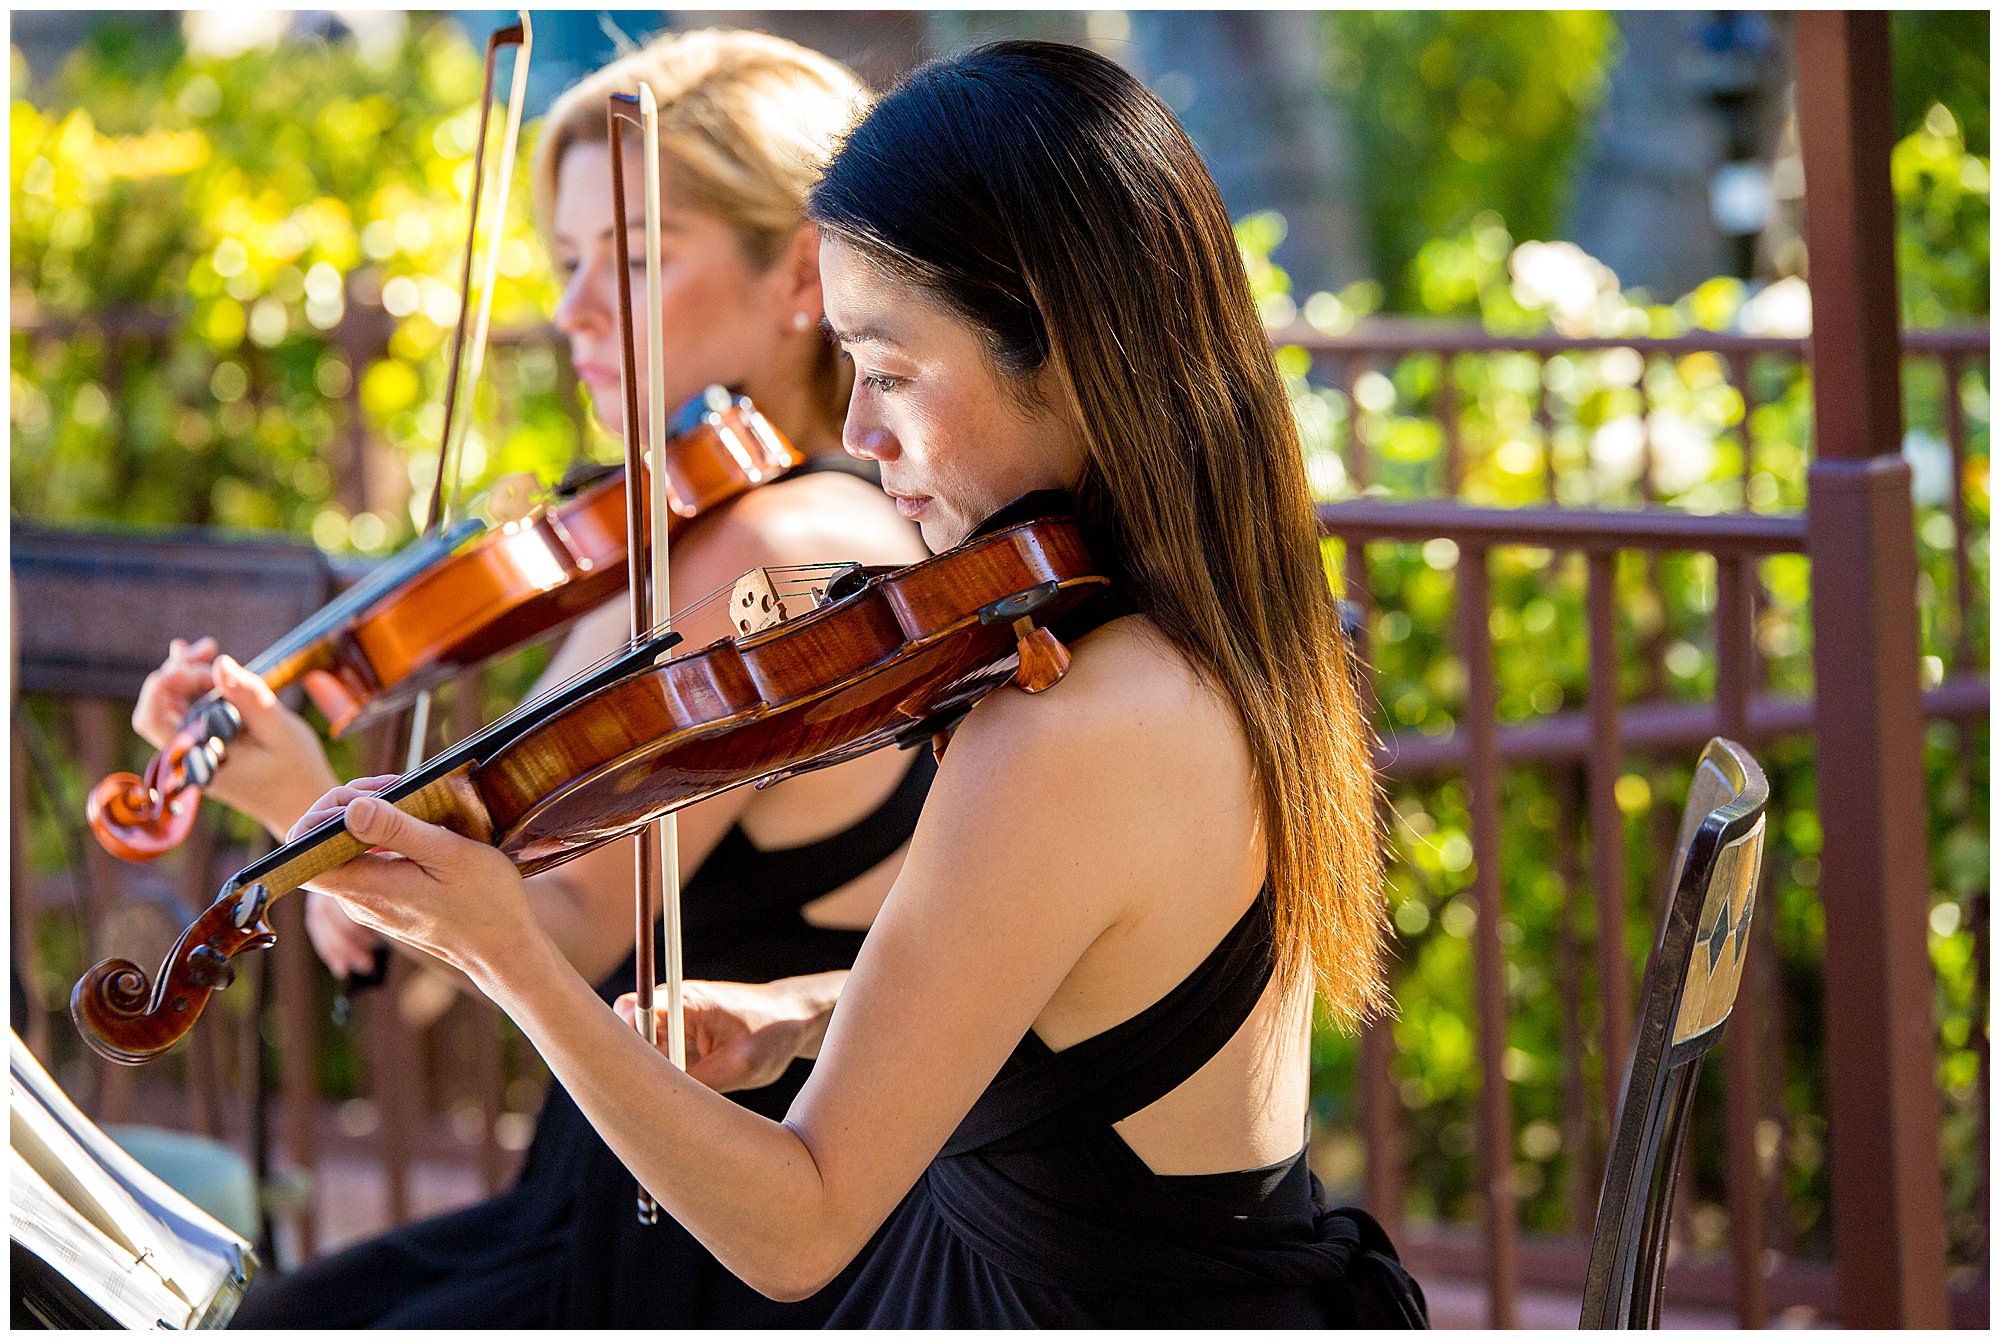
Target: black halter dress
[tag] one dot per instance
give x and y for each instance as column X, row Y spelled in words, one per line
column 563, row 1246
column 1037, row 1213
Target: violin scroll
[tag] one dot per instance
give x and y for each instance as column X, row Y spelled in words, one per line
column 133, row 821
column 127, row 1018
column 140, row 818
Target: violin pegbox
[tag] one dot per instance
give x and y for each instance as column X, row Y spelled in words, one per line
column 755, row 603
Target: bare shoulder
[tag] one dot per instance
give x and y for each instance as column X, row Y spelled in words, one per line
column 1127, row 686
column 818, row 518
column 1132, row 736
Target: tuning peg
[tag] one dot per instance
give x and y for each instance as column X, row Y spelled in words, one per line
column 250, row 906
column 1044, row 661
column 210, row 967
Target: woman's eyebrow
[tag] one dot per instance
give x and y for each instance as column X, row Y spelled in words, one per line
column 865, row 335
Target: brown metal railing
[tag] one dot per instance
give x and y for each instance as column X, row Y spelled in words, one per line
column 1586, row 751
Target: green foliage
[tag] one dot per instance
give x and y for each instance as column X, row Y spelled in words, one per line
column 1462, row 111
column 1944, row 214
column 259, row 209
column 1944, row 56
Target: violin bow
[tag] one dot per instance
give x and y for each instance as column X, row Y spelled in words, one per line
column 657, row 865
column 467, row 356
column 468, row 353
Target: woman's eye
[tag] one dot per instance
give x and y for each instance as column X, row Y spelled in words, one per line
column 875, row 381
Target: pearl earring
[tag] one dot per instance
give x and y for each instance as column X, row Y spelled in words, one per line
column 801, row 320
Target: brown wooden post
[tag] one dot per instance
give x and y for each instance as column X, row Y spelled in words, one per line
column 1888, row 1205
column 1607, row 827
column 1381, row 1149
column 1581, row 1172
column 1482, row 786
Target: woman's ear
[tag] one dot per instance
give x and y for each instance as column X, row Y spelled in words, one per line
column 800, row 304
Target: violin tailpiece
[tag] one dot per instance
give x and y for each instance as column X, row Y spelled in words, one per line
column 1044, row 661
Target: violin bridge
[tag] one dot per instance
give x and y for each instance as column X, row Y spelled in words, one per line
column 755, row 603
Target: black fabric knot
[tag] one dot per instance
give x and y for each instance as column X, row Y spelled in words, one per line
column 1371, row 1290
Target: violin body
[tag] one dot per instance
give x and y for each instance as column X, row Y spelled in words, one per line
column 890, row 661
column 442, row 607
column 880, row 666
column 524, row 579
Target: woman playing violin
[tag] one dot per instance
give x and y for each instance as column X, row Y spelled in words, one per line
column 781, row 881
column 1066, row 1080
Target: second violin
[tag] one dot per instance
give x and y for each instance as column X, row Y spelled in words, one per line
column 443, row 606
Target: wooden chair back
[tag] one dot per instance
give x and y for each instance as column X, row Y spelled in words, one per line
column 1690, row 985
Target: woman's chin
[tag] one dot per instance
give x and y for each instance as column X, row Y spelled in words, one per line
column 941, row 532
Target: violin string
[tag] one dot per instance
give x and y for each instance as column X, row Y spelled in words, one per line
column 788, row 580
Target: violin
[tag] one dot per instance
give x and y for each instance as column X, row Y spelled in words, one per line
column 447, row 603
column 881, row 657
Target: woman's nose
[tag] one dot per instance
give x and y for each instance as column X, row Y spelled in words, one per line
column 868, row 439
column 581, row 308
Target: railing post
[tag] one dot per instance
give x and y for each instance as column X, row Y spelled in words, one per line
column 1482, row 785
column 1607, row 828
column 1888, row 1206
column 1381, row 1150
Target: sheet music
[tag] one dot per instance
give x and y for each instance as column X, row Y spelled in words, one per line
column 139, row 1249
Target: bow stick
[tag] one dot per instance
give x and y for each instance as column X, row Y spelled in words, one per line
column 468, row 354
column 657, row 881
column 667, row 829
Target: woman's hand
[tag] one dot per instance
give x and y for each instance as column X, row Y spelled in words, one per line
column 458, row 900
column 275, row 765
column 346, row 947
column 742, row 1035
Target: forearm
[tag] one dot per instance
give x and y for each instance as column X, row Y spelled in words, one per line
column 747, row 1187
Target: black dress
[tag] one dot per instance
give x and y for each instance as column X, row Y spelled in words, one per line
column 1037, row 1213
column 563, row 1246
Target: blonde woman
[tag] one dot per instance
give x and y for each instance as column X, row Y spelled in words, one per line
column 780, row 883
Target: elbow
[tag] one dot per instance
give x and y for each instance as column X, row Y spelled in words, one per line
column 798, row 1270
column 787, row 1290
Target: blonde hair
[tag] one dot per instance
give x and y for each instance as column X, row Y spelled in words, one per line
column 747, row 123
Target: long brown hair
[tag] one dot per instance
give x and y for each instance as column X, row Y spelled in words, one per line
column 1045, row 196
column 747, row 120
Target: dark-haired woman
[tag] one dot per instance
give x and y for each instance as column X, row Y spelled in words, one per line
column 1068, row 1070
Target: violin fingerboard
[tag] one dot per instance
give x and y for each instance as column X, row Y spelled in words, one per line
column 451, row 801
